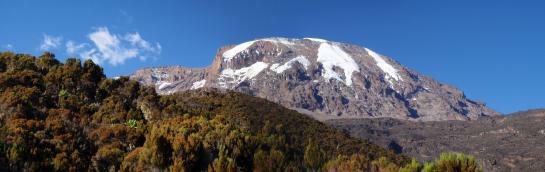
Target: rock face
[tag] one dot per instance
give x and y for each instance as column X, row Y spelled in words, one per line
column 513, row 142
column 327, row 80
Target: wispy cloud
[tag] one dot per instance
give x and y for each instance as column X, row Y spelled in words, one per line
column 72, row 47
column 136, row 40
column 113, row 48
column 49, row 42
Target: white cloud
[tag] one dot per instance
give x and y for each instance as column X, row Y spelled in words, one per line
column 72, row 47
column 136, row 40
column 50, row 42
column 113, row 48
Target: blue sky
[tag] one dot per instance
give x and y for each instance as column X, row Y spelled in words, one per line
column 494, row 50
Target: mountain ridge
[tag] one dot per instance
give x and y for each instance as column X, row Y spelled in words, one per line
column 336, row 79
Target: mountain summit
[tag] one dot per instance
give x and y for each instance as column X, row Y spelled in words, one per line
column 324, row 79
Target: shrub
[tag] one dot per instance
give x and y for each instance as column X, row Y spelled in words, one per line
column 457, row 162
column 429, row 167
column 63, row 94
column 132, row 123
column 314, row 156
column 414, row 166
column 383, row 165
column 344, row 163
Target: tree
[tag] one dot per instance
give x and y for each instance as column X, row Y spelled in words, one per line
column 157, row 151
column 314, row 156
column 268, row 161
column 342, row 163
column 46, row 62
column 383, row 165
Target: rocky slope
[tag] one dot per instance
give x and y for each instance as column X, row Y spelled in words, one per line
column 514, row 142
column 327, row 80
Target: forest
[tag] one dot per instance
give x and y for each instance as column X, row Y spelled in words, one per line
column 69, row 116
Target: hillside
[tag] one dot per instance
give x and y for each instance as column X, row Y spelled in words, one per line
column 514, row 142
column 323, row 79
column 69, row 117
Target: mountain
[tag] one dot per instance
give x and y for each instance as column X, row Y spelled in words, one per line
column 514, row 142
column 70, row 117
column 324, row 79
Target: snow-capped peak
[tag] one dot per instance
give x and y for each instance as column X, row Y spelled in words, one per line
column 231, row 53
column 324, row 77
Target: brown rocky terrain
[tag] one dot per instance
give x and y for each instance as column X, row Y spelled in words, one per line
column 324, row 79
column 513, row 142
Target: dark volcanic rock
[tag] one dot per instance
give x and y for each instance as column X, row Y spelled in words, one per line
column 510, row 143
column 327, row 80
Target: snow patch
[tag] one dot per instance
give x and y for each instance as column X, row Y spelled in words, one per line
column 391, row 72
column 274, row 66
column 284, row 41
column 300, row 59
column 242, row 74
column 330, row 55
column 198, row 84
column 162, row 84
column 317, row 40
column 231, row 53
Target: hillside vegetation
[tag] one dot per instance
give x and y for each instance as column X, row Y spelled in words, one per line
column 514, row 142
column 70, row 117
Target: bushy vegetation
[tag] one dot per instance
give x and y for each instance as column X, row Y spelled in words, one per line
column 70, row 117
column 449, row 162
